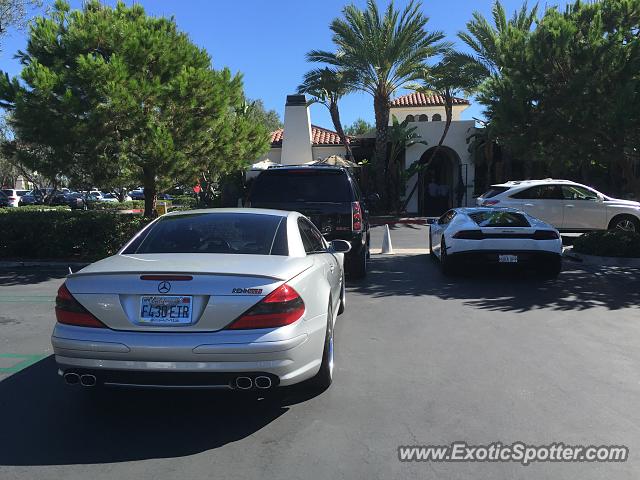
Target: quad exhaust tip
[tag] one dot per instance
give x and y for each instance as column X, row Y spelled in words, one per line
column 71, row 378
column 88, row 380
column 263, row 382
column 85, row 380
column 244, row 383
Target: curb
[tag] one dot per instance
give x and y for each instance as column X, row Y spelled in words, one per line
column 597, row 261
column 36, row 263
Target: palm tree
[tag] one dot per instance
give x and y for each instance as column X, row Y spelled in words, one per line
column 488, row 41
column 326, row 86
column 383, row 51
column 454, row 75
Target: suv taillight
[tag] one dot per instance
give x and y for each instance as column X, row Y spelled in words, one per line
column 281, row 307
column 356, row 217
column 70, row 312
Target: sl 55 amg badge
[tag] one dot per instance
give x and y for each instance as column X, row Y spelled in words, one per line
column 252, row 291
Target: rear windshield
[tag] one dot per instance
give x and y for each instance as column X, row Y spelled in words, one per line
column 301, row 186
column 493, row 191
column 499, row 219
column 8, row 192
column 238, row 233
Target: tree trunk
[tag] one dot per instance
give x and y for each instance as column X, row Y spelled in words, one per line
column 150, row 192
column 337, row 124
column 381, row 109
column 449, row 113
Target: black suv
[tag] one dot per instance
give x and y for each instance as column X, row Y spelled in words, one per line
column 329, row 196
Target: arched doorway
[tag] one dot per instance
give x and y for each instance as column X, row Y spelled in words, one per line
column 440, row 184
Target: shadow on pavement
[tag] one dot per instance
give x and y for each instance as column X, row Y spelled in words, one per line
column 577, row 287
column 44, row 422
column 30, row 275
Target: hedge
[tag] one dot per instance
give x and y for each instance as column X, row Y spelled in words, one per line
column 130, row 205
column 77, row 235
column 609, row 243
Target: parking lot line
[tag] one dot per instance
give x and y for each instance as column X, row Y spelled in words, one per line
column 26, row 298
column 25, row 361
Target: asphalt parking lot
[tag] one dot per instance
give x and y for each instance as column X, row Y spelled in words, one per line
column 420, row 359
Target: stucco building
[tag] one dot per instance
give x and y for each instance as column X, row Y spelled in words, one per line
column 449, row 179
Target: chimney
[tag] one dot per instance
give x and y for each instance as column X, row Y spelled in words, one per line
column 297, row 141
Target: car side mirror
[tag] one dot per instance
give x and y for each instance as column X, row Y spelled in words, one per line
column 432, row 221
column 340, row 246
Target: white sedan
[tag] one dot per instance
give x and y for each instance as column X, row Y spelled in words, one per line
column 469, row 236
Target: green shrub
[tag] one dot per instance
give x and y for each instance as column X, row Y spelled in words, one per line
column 131, row 205
column 59, row 234
column 610, row 243
column 185, row 201
column 36, row 208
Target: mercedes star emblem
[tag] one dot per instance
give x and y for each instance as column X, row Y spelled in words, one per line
column 164, row 287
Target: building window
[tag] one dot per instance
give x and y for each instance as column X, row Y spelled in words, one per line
column 423, row 118
column 436, row 118
column 410, row 118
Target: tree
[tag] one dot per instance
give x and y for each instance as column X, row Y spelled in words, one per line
column 359, row 127
column 326, row 86
column 256, row 111
column 454, row 75
column 13, row 13
column 565, row 96
column 112, row 93
column 383, row 51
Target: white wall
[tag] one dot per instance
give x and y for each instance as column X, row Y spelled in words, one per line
column 296, row 144
column 456, row 140
column 402, row 112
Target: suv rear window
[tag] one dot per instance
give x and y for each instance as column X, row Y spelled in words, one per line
column 493, row 191
column 233, row 233
column 499, row 219
column 301, row 185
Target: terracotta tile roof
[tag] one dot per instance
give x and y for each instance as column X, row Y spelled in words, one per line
column 418, row 99
column 319, row 136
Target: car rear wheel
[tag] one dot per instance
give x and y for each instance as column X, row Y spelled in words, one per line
column 431, row 252
column 626, row 223
column 445, row 262
column 359, row 264
column 343, row 298
column 324, row 377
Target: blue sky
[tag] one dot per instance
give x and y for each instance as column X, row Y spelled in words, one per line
column 267, row 41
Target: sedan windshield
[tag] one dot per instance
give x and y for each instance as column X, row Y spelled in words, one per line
column 499, row 218
column 238, row 233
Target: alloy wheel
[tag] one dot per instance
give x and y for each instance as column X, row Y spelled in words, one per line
column 625, row 225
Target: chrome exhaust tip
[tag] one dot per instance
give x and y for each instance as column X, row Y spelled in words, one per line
column 71, row 378
column 88, row 380
column 263, row 382
column 244, row 383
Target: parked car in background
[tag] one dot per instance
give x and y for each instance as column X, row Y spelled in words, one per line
column 82, row 201
column 484, row 235
column 109, row 197
column 4, row 200
column 137, row 194
column 32, row 197
column 567, row 205
column 13, row 196
column 246, row 300
column 329, row 196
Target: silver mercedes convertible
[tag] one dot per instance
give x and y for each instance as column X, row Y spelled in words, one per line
column 222, row 298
